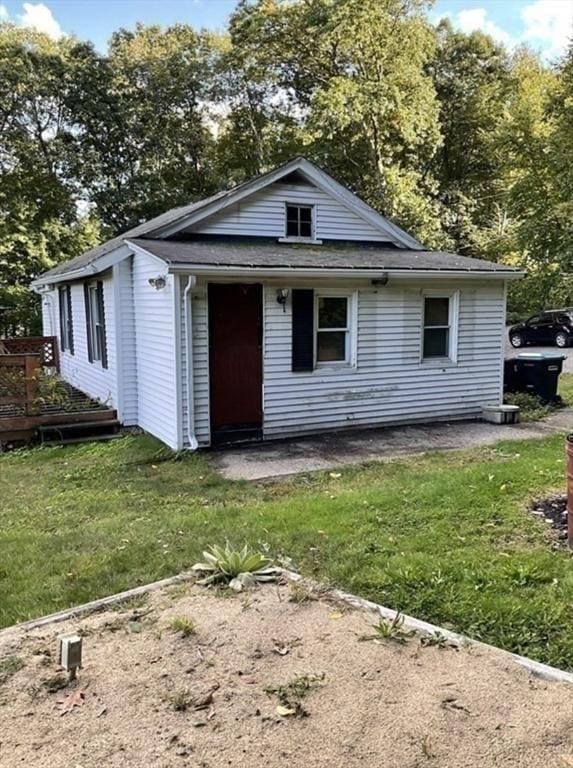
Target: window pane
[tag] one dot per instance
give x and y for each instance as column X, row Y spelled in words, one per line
column 305, row 229
column 331, row 346
column 437, row 311
column 332, row 312
column 292, row 228
column 305, row 214
column 436, row 342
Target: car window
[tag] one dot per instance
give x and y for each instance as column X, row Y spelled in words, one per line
column 534, row 320
column 563, row 319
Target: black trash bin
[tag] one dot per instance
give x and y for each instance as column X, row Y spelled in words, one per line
column 536, row 373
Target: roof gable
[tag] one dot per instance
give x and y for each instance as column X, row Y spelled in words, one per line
column 299, row 171
column 168, row 224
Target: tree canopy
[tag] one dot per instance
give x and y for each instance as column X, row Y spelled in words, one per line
column 461, row 141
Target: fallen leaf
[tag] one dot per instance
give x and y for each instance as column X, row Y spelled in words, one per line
column 102, row 711
column 336, row 615
column 134, row 627
column 285, row 711
column 74, row 699
column 335, row 475
column 282, row 650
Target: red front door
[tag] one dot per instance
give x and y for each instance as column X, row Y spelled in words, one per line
column 235, row 361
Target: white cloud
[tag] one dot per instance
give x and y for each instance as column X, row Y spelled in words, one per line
column 548, row 24
column 39, row 17
column 3, row 12
column 476, row 18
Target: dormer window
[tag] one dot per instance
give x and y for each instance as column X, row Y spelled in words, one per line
column 299, row 221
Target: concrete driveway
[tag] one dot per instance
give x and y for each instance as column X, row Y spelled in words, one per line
column 338, row 449
column 568, row 351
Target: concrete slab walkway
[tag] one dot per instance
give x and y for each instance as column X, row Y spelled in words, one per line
column 339, row 449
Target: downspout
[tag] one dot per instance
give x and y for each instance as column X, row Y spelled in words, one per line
column 192, row 440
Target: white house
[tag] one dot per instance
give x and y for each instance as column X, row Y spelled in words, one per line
column 283, row 306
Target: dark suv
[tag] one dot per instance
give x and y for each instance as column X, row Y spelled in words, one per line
column 555, row 326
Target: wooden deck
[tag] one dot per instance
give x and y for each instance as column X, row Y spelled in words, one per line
column 37, row 406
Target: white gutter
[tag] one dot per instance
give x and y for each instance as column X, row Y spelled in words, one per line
column 362, row 274
column 191, row 282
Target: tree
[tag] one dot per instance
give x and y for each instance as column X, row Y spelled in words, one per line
column 352, row 73
column 143, row 143
column 471, row 74
column 38, row 216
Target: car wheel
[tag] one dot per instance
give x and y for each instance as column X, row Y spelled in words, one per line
column 516, row 340
column 562, row 340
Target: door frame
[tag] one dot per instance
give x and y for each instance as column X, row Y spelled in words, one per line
column 257, row 435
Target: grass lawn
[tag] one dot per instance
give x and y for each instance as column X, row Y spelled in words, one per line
column 443, row 537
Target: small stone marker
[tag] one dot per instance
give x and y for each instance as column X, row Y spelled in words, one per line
column 71, row 654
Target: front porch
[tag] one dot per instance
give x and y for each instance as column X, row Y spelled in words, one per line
column 36, row 405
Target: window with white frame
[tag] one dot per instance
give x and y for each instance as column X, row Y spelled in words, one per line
column 66, row 322
column 95, row 322
column 332, row 329
column 440, row 327
column 299, row 221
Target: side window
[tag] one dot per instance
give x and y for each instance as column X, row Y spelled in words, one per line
column 95, row 322
column 535, row 320
column 440, row 327
column 66, row 319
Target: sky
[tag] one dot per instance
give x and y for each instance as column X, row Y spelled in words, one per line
column 546, row 25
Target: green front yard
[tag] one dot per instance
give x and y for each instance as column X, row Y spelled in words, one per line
column 444, row 537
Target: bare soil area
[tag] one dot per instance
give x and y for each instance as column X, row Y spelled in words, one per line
column 260, row 679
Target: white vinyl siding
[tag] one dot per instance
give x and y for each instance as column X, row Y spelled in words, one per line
column 390, row 383
column 91, row 378
column 263, row 215
column 155, row 352
column 126, row 353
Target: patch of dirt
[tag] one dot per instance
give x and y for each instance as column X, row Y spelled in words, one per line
column 554, row 511
column 268, row 681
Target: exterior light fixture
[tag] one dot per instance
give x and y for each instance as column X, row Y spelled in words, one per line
column 71, row 654
column 158, row 282
column 382, row 280
column 282, row 296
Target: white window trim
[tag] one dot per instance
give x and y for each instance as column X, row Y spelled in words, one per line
column 92, row 291
column 290, row 239
column 453, row 321
column 351, row 330
column 66, row 331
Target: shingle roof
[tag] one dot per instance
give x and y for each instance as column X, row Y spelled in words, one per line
column 281, row 255
column 141, row 229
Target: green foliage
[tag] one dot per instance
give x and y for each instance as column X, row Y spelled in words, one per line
column 291, row 695
column 236, row 568
column 531, row 407
column 184, row 626
column 390, row 630
column 461, row 142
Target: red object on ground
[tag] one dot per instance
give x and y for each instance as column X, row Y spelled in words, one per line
column 570, row 490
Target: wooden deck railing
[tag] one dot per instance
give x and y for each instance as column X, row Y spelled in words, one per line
column 45, row 346
column 19, row 380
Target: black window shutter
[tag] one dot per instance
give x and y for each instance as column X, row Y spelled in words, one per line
column 302, row 330
column 70, row 319
column 101, row 312
column 62, row 298
column 88, row 322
